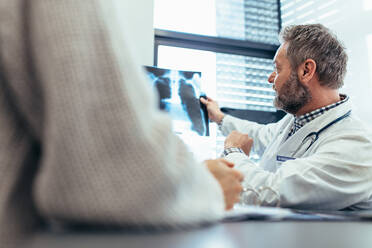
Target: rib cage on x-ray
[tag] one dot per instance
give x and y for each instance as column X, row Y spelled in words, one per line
column 179, row 93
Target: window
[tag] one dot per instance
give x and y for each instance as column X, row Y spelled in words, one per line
column 232, row 42
column 301, row 12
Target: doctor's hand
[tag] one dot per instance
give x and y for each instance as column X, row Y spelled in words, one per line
column 214, row 111
column 229, row 179
column 239, row 140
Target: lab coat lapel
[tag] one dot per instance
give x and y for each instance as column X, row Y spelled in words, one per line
column 269, row 157
column 289, row 146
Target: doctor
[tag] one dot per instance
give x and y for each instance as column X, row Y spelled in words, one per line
column 319, row 156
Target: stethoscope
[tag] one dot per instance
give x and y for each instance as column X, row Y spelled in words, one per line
column 313, row 136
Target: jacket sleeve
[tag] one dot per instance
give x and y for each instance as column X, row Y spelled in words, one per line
column 262, row 134
column 108, row 154
column 331, row 179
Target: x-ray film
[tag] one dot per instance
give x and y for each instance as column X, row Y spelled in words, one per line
column 179, row 93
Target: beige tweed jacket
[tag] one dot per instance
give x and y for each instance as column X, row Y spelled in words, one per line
column 81, row 139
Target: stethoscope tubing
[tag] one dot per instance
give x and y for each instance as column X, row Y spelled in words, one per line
column 316, row 134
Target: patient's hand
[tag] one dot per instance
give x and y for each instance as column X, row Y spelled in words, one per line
column 229, row 179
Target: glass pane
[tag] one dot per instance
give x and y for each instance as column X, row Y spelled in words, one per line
column 254, row 20
column 241, row 82
column 191, row 16
column 234, row 81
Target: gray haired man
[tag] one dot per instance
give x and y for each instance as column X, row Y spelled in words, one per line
column 319, row 155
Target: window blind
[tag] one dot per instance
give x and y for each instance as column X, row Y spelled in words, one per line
column 253, row 20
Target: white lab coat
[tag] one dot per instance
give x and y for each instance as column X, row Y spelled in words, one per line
column 334, row 173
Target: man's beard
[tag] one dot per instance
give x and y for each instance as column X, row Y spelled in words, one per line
column 293, row 95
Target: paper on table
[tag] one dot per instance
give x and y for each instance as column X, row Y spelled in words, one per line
column 240, row 212
column 243, row 213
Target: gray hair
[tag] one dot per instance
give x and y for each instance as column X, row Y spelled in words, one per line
column 314, row 41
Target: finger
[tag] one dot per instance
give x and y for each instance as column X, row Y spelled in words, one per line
column 203, row 100
column 229, row 206
column 238, row 175
column 237, row 199
column 226, row 162
column 235, row 132
column 230, row 165
column 239, row 189
column 238, row 195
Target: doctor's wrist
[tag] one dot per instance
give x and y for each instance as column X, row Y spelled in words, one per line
column 219, row 117
column 220, row 122
column 229, row 150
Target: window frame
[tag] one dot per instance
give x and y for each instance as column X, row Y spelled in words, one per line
column 227, row 46
column 214, row 44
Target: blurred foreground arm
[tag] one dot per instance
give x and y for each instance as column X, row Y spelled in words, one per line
column 108, row 155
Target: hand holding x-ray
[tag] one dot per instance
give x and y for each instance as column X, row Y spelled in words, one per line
column 214, row 112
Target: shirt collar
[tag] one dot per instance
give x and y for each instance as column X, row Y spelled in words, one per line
column 300, row 121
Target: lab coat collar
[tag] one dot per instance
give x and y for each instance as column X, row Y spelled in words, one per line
column 290, row 145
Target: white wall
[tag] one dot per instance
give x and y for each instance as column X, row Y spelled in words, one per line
column 137, row 18
column 351, row 20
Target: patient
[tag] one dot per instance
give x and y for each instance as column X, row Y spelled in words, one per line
column 81, row 139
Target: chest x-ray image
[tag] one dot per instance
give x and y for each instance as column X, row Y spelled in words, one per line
column 179, row 93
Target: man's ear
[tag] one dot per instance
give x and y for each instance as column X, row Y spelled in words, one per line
column 306, row 71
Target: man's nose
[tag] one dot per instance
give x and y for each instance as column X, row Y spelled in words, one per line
column 271, row 77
